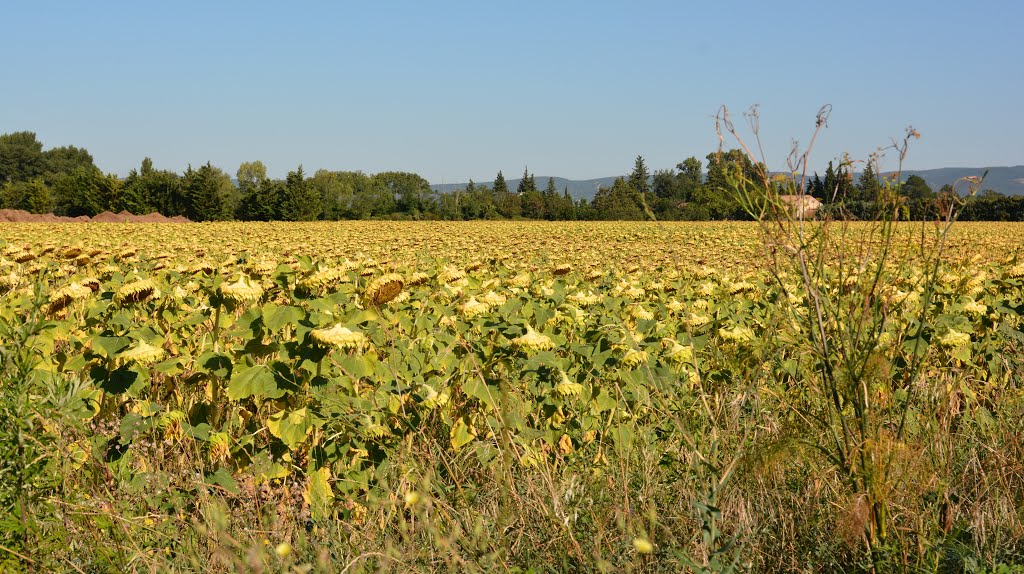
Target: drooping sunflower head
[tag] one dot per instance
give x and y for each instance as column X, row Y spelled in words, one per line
column 954, row 339
column 472, row 308
column 567, row 388
column 242, row 291
column 92, row 283
column 324, row 279
column 171, row 424
column 634, row 358
column 418, row 278
column 338, row 336
column 532, row 341
column 677, row 353
column 738, row 334
column 561, row 269
column 141, row 353
column 384, row 288
column 220, row 446
column 135, row 291
column 66, row 295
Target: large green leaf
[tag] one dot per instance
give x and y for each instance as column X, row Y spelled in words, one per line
column 461, row 434
column 290, row 426
column 275, row 318
column 318, row 494
column 110, row 346
column 255, row 380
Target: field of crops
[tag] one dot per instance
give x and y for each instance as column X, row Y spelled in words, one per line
column 386, row 396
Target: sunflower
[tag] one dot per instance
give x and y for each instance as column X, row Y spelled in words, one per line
column 66, row 295
column 241, row 291
column 677, row 353
column 567, row 388
column 141, row 353
column 634, row 358
column 340, row 337
column 954, row 339
column 532, row 341
column 472, row 308
column 135, row 291
column 384, row 288
column 220, row 446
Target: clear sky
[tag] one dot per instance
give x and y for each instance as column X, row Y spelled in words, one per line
column 455, row 90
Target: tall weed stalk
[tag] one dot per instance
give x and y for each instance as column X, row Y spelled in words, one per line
column 859, row 379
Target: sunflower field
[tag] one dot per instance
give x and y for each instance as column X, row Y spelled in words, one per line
column 507, row 396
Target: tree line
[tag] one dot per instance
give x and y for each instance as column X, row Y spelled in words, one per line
column 66, row 181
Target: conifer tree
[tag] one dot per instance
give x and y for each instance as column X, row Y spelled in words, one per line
column 500, row 186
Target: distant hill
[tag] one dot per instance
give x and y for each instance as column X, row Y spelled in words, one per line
column 1006, row 180
column 577, row 187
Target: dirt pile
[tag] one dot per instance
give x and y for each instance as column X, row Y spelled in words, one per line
column 19, row 216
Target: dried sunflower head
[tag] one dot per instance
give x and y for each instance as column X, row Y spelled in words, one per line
column 322, row 279
column 450, row 275
column 338, row 336
column 220, row 446
column 418, row 278
column 384, row 288
column 532, row 341
column 584, row 299
column 141, row 353
column 472, row 308
column 91, row 282
column 493, row 299
column 676, row 353
column 135, row 291
column 171, row 423
column 975, row 308
column 67, row 295
column 567, row 388
column 241, row 291
column 634, row 358
column 955, row 339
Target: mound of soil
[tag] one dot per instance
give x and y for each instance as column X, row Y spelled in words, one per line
column 19, row 216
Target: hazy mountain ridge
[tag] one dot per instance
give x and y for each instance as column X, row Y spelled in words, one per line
column 1005, row 180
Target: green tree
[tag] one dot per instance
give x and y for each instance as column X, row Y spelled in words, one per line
column 32, row 196
column 64, row 159
column 21, row 157
column 672, row 190
column 916, row 188
column 373, row 200
column 619, row 202
column 868, row 186
column 301, row 201
column 527, row 183
column 506, row 204
column 531, row 204
column 552, row 201
column 335, row 196
column 206, row 194
column 250, row 175
column 410, row 192
column 500, row 185
column 252, row 204
column 639, row 178
column 86, row 191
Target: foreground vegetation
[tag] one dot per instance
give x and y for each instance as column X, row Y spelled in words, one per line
column 520, row 397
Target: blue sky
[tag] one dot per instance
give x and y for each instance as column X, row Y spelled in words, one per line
column 455, row 90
